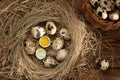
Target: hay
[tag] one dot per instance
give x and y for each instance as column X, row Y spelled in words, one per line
column 17, row 19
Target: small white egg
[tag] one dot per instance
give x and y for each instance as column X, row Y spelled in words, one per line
column 37, row 32
column 30, row 46
column 40, row 53
column 64, row 33
column 61, row 54
column 51, row 28
column 50, row 62
column 58, row 43
column 114, row 16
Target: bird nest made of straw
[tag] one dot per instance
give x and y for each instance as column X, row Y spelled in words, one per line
column 16, row 22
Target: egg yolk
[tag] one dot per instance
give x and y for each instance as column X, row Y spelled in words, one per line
column 44, row 41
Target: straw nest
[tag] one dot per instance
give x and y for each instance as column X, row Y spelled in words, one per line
column 17, row 19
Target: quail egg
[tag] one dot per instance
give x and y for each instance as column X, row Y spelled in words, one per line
column 102, row 13
column 103, row 64
column 50, row 62
column 108, row 5
column 37, row 32
column 40, row 53
column 51, row 53
column 114, row 16
column 64, row 33
column 61, row 54
column 30, row 46
column 58, row 43
column 95, row 3
column 117, row 3
column 51, row 28
column 44, row 41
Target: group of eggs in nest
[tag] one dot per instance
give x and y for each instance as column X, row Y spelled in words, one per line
column 107, row 9
column 51, row 41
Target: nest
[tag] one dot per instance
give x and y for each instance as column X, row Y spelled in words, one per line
column 18, row 18
column 90, row 16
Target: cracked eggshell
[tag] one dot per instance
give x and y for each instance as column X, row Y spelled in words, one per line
column 64, row 33
column 37, row 32
column 115, row 15
column 40, row 53
column 44, row 41
column 50, row 62
column 58, row 43
column 51, row 28
column 30, row 46
column 61, row 54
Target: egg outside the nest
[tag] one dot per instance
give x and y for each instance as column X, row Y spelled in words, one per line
column 50, row 62
column 38, row 32
column 61, row 54
column 51, row 28
column 102, row 64
column 30, row 46
column 58, row 43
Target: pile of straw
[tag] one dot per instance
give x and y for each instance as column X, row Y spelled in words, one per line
column 17, row 19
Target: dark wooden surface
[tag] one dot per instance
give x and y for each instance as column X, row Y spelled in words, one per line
column 110, row 49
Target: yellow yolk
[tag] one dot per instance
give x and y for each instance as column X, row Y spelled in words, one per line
column 44, row 41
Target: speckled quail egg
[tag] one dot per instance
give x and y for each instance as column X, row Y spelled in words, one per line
column 102, row 13
column 58, row 43
column 51, row 28
column 30, row 46
column 51, row 53
column 117, row 3
column 114, row 16
column 61, row 54
column 37, row 32
column 40, row 53
column 103, row 64
column 95, row 3
column 50, row 62
column 107, row 4
column 64, row 33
